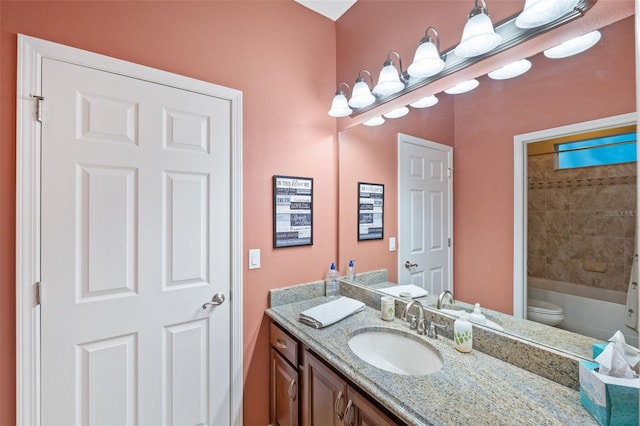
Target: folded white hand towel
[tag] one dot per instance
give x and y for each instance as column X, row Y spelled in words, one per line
column 330, row 312
column 409, row 288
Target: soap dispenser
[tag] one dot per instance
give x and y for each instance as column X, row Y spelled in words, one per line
column 463, row 333
column 332, row 287
column 477, row 316
column 351, row 271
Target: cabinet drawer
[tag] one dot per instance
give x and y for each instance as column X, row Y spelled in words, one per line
column 284, row 344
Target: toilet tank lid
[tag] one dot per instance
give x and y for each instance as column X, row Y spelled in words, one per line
column 544, row 306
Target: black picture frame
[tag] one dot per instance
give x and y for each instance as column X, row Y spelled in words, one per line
column 370, row 211
column 292, row 211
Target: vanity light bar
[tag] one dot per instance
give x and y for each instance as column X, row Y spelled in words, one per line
column 511, row 36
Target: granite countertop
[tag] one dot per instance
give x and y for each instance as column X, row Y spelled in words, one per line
column 572, row 343
column 472, row 388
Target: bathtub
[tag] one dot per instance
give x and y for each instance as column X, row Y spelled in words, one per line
column 590, row 311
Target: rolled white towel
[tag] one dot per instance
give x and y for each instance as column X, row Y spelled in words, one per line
column 408, row 288
column 330, row 312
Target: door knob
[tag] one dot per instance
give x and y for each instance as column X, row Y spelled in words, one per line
column 217, row 299
column 410, row 265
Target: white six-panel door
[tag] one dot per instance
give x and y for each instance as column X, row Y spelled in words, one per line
column 135, row 239
column 425, row 216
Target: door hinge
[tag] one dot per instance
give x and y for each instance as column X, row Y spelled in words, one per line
column 37, row 291
column 449, row 241
column 38, row 100
column 450, row 170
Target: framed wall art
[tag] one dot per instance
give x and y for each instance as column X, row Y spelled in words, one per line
column 292, row 211
column 370, row 211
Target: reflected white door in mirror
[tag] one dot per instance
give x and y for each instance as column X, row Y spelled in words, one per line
column 425, row 213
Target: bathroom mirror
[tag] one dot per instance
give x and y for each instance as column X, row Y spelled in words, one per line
column 481, row 125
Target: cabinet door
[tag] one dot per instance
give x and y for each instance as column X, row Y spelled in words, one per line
column 363, row 413
column 325, row 394
column 284, row 392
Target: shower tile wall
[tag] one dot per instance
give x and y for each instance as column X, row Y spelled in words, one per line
column 581, row 223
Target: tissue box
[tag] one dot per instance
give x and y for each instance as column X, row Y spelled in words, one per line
column 597, row 349
column 610, row 400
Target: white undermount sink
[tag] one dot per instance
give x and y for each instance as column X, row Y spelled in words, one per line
column 395, row 351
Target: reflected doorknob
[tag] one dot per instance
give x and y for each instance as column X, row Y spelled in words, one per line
column 410, row 265
column 217, row 299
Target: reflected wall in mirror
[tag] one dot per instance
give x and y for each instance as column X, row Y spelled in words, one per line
column 481, row 125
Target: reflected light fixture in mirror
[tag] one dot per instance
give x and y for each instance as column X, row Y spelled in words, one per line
column 478, row 36
column 361, row 95
column 427, row 60
column 464, row 87
column 397, row 113
column 425, row 102
column 375, row 121
column 574, row 46
column 390, row 81
column 511, row 70
column 541, row 12
column 339, row 105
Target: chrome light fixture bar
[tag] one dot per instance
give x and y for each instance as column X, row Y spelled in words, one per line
column 511, row 35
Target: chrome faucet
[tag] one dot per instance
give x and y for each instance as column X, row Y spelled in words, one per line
column 441, row 297
column 422, row 321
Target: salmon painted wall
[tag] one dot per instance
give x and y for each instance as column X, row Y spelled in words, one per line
column 595, row 84
column 280, row 54
column 485, row 121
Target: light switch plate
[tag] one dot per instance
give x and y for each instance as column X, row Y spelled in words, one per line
column 254, row 259
column 392, row 243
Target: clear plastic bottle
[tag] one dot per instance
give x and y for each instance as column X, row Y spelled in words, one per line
column 351, row 271
column 477, row 316
column 463, row 333
column 331, row 283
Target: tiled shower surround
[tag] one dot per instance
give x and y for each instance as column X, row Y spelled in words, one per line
column 581, row 223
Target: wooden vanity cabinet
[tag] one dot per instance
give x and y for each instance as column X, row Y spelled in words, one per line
column 284, row 395
column 331, row 400
column 325, row 394
column 304, row 390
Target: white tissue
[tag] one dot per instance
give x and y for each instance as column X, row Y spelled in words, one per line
column 619, row 359
column 612, row 363
column 630, row 354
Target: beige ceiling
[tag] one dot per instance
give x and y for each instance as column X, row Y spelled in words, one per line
column 332, row 9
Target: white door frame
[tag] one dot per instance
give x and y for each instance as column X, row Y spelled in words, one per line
column 30, row 53
column 404, row 138
column 520, row 194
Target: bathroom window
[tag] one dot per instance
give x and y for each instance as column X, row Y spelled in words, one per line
column 597, row 151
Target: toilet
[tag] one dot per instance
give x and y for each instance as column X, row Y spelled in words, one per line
column 544, row 312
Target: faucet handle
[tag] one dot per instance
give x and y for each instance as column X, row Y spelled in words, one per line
column 413, row 322
column 423, row 326
column 433, row 329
